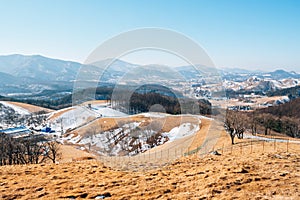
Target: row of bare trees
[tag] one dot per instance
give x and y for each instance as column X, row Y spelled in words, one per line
column 32, row 150
column 237, row 122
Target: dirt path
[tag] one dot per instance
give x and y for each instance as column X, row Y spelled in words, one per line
column 270, row 139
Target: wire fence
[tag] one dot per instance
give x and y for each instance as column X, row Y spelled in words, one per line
column 161, row 157
column 250, row 146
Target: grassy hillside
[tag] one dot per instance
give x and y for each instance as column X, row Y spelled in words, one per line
column 251, row 169
column 256, row 175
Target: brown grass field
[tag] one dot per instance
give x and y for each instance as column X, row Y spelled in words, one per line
column 167, row 123
column 59, row 113
column 30, row 108
column 246, row 170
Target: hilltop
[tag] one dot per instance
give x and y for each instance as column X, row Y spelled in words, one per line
column 250, row 175
column 184, row 167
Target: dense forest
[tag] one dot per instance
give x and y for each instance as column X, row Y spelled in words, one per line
column 145, row 102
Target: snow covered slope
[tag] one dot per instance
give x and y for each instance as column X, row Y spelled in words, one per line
column 134, row 135
column 81, row 115
column 181, row 131
column 263, row 84
column 17, row 109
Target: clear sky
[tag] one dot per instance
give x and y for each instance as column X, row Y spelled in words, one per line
column 253, row 34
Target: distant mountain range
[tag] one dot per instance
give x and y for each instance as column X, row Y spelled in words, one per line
column 236, row 74
column 34, row 74
column 38, row 68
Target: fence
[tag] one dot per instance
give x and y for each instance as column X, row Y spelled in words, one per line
column 250, row 146
column 159, row 158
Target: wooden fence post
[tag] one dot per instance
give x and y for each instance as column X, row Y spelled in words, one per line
column 241, row 148
column 223, row 148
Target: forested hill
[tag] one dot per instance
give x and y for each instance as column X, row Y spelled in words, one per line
column 290, row 109
column 293, row 92
column 283, row 118
column 143, row 100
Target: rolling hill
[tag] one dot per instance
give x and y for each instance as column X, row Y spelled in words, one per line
column 250, row 173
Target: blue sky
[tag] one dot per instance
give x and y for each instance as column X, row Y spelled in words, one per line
column 253, row 34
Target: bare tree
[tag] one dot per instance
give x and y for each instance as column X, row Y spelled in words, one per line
column 253, row 122
column 290, row 126
column 235, row 124
column 52, row 151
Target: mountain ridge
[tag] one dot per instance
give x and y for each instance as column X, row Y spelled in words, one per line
column 35, row 73
column 10, row 63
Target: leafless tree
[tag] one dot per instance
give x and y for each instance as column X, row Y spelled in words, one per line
column 253, row 122
column 290, row 126
column 235, row 123
column 52, row 151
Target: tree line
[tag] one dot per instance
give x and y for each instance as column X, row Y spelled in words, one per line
column 30, row 150
column 141, row 100
column 146, row 102
column 284, row 119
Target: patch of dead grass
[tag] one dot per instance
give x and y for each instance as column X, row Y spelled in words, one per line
column 258, row 175
column 30, row 108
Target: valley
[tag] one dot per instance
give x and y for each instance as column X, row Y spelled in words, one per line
column 218, row 134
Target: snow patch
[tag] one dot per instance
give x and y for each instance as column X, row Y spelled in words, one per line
column 183, row 130
column 154, row 114
column 81, row 115
column 18, row 109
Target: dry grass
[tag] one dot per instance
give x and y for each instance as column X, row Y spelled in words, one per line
column 70, row 153
column 174, row 121
column 230, row 176
column 59, row 113
column 246, row 170
column 105, row 124
column 95, row 102
column 30, row 108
